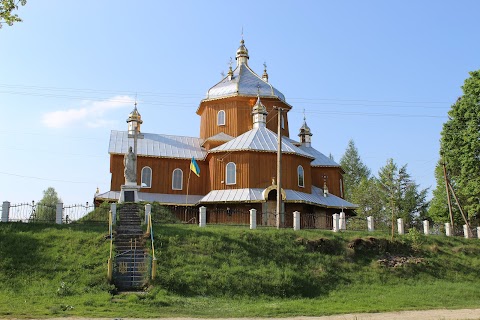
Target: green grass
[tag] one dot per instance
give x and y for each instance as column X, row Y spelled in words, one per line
column 59, row 271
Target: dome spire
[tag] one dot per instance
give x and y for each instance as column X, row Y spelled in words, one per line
column 259, row 112
column 242, row 53
column 265, row 74
column 305, row 133
column 134, row 120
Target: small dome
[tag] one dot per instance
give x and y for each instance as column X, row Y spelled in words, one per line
column 135, row 116
column 242, row 51
column 259, row 107
column 305, row 128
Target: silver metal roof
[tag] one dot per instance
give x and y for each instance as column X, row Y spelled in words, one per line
column 158, row 145
column 221, row 136
column 321, row 160
column 256, row 195
column 259, row 139
column 167, row 199
column 243, row 82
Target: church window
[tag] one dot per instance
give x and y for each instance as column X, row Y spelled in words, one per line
column 221, row 118
column 146, row 177
column 231, row 173
column 301, row 176
column 177, row 179
column 282, row 122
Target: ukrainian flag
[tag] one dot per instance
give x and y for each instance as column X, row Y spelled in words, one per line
column 194, row 167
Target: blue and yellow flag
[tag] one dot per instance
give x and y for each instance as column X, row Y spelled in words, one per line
column 194, row 167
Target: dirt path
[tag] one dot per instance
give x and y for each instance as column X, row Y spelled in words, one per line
column 439, row 314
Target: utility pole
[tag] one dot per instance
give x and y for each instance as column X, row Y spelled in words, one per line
column 448, row 192
column 279, row 166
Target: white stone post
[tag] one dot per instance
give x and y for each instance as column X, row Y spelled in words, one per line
column 426, row 227
column 148, row 211
column 401, row 226
column 370, row 224
column 203, row 217
column 466, row 232
column 478, row 232
column 336, row 222
column 59, row 215
column 253, row 219
column 448, row 229
column 343, row 222
column 113, row 208
column 5, row 211
column 296, row 220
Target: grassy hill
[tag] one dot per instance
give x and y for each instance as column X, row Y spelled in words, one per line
column 49, row 270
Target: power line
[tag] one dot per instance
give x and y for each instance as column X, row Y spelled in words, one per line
column 45, row 179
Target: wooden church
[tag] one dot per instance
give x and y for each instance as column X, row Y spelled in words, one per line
column 236, row 154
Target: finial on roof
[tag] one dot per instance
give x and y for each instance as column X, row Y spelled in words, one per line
column 242, row 53
column 265, row 74
column 305, row 132
column 259, row 112
column 230, row 71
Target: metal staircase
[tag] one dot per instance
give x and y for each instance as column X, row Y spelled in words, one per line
column 132, row 263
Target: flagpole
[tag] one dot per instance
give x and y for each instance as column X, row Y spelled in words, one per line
column 188, row 185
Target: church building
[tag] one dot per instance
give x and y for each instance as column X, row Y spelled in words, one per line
column 235, row 154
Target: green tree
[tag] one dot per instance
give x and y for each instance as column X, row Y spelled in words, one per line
column 355, row 169
column 438, row 209
column 460, row 150
column 400, row 194
column 367, row 196
column 46, row 208
column 6, row 9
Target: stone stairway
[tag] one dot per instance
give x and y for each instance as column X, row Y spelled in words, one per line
column 131, row 259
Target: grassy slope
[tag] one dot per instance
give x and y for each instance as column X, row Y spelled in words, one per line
column 57, row 271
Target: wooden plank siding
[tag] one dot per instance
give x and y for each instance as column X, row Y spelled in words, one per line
column 238, row 116
column 256, row 170
column 162, row 170
column 334, row 175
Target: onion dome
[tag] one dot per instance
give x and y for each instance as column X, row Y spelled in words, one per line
column 259, row 113
column 134, row 121
column 242, row 54
column 305, row 133
column 243, row 81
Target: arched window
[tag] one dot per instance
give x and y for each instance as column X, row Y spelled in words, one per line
column 177, row 179
column 282, row 122
column 231, row 173
column 301, row 176
column 146, row 177
column 221, row 118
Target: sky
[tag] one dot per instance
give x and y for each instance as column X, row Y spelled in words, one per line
column 383, row 73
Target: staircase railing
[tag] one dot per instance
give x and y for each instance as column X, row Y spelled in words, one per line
column 154, row 259
column 110, row 258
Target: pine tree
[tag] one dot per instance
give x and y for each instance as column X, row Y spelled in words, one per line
column 355, row 169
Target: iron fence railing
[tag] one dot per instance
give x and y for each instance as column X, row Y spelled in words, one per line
column 79, row 212
column 32, row 212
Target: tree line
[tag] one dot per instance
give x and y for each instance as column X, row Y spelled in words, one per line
column 393, row 193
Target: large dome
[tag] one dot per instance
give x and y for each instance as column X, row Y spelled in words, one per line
column 243, row 81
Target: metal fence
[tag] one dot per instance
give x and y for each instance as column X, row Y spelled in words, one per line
column 84, row 212
column 30, row 212
column 228, row 216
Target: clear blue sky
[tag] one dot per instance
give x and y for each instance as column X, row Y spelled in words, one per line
column 383, row 73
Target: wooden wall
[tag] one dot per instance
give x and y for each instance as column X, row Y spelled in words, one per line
column 256, row 170
column 334, row 175
column 238, row 116
column 162, row 169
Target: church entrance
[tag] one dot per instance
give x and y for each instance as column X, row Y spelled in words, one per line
column 270, row 216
